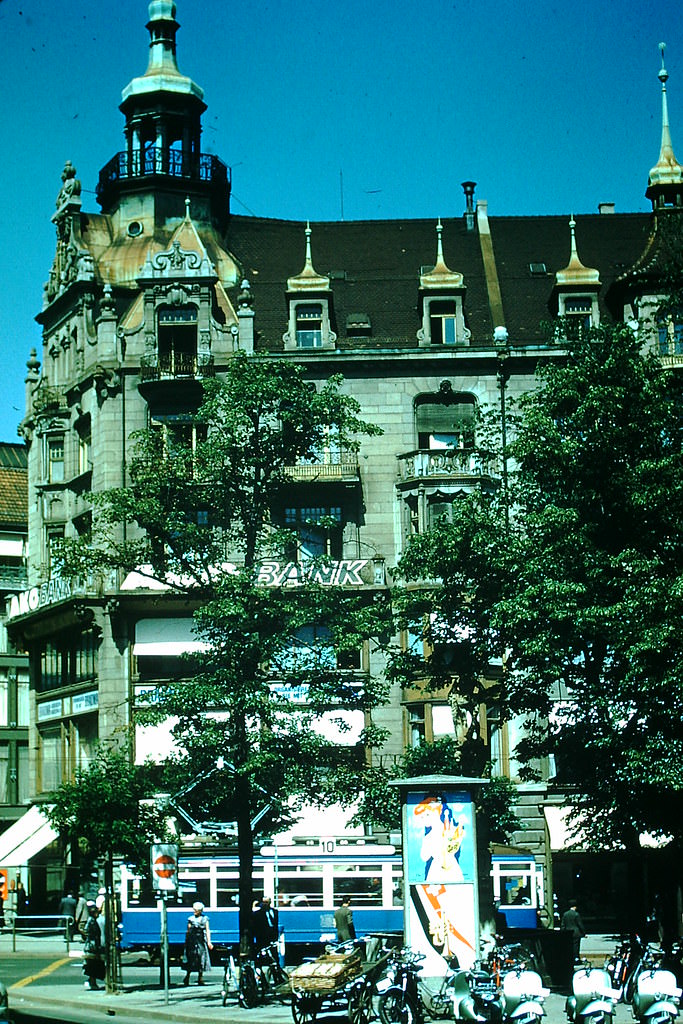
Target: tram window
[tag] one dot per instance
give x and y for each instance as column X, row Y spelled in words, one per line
column 227, row 896
column 363, row 883
column 301, row 886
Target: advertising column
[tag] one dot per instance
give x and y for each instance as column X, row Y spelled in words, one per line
column 440, row 870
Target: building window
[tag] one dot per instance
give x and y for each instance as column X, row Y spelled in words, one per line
column 445, row 421
column 68, row 662
column 50, row 758
column 54, row 535
column 84, row 442
column 416, row 724
column 442, row 322
column 177, row 340
column 309, row 325
column 54, row 453
column 670, row 337
column 318, row 532
column 578, row 312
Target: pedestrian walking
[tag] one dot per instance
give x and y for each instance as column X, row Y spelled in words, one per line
column 22, row 899
column 571, row 922
column 81, row 915
column 67, row 910
column 343, row 920
column 197, row 944
column 93, row 950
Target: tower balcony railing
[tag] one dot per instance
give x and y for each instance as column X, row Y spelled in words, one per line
column 158, row 161
column 447, row 463
column 178, row 364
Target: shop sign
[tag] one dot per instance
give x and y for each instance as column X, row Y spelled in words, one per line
column 56, row 589
column 84, row 702
column 49, row 709
column 344, row 573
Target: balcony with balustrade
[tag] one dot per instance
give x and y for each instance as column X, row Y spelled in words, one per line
column 334, row 466
column 464, row 468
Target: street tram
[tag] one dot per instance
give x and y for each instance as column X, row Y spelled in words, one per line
column 305, row 882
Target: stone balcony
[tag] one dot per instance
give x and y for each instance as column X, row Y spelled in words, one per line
column 470, row 467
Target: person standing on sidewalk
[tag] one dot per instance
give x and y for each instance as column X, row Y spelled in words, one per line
column 93, row 951
column 343, row 920
column 571, row 922
column 197, row 944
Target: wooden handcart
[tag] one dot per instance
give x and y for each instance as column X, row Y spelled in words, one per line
column 336, row 983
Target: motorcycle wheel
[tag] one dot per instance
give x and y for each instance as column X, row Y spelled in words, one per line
column 395, row 1007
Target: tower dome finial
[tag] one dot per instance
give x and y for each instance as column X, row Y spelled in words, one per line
column 667, row 171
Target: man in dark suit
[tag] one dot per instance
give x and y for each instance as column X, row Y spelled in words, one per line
column 264, row 924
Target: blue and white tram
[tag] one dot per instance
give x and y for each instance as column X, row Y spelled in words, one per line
column 304, row 881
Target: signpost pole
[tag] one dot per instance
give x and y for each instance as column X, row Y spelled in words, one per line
column 164, row 858
column 164, row 945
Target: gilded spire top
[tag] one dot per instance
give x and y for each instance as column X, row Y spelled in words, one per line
column 667, row 170
column 440, row 276
column 575, row 273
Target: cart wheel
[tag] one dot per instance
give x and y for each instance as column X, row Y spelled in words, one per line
column 360, row 1004
column 305, row 1007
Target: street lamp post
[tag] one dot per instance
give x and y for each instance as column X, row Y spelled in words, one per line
column 500, row 337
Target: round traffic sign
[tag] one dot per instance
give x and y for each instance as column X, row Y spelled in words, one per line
column 164, row 866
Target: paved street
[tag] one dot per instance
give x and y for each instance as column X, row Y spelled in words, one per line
column 47, row 985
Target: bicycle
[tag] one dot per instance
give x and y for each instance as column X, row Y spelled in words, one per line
column 261, row 977
column 231, row 979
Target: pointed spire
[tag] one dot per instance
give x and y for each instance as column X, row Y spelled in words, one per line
column 575, row 272
column 308, row 279
column 667, row 170
column 440, row 276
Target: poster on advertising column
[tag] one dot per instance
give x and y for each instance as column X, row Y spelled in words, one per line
column 441, row 876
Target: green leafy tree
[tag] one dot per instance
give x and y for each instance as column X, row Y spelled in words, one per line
column 105, row 813
column 583, row 593
column 203, row 514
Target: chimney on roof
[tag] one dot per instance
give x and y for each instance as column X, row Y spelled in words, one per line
column 605, row 207
column 468, row 188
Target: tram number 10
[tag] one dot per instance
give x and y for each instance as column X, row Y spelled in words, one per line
column 328, row 844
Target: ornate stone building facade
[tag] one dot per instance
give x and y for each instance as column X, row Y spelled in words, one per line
column 159, row 289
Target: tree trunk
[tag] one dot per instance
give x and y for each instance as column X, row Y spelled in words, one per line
column 245, row 848
column 111, row 946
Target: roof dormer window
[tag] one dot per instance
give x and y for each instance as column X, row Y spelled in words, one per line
column 576, row 290
column 442, row 322
column 309, row 325
column 442, row 290
column 310, row 301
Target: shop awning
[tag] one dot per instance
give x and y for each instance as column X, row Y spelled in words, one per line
column 166, row 638
column 25, row 838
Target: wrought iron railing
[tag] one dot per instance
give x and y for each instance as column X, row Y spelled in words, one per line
column 178, row 364
column 171, row 163
column 332, row 465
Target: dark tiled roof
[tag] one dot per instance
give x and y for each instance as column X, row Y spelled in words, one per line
column 13, row 497
column 375, row 266
column 13, row 456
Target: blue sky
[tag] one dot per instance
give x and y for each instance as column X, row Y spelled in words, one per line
column 550, row 108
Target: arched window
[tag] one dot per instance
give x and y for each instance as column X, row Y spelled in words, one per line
column 445, row 420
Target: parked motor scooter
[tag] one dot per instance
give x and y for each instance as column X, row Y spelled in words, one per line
column 593, row 999
column 523, row 996
column 657, row 997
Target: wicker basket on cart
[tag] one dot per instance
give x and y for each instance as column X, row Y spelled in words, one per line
column 326, row 973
